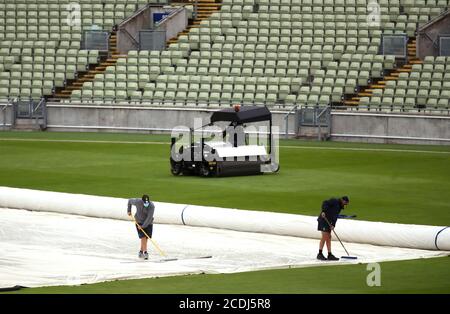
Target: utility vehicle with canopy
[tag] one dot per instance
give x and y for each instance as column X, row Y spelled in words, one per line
column 227, row 146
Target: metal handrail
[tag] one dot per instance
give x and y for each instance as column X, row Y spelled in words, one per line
column 135, row 42
column 121, row 26
column 380, row 108
column 39, row 104
column 433, row 42
column 286, row 118
column 432, row 21
column 139, row 11
column 4, row 115
column 326, row 109
column 336, row 109
column 170, row 16
column 190, row 2
column 195, row 9
column 44, row 114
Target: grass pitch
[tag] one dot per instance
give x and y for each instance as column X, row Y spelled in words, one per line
column 391, row 183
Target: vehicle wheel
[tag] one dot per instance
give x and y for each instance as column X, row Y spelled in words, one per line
column 176, row 169
column 204, row 170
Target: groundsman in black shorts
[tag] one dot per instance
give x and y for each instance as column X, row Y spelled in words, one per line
column 144, row 220
column 327, row 221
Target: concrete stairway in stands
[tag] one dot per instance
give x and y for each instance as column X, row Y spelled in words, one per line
column 88, row 76
column 204, row 11
column 393, row 75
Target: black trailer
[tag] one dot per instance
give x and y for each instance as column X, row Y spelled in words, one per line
column 213, row 150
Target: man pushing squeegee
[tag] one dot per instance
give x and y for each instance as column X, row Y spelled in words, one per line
column 143, row 220
column 327, row 221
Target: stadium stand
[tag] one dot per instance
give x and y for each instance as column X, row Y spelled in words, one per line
column 39, row 49
column 273, row 52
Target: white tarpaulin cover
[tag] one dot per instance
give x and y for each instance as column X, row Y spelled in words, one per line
column 51, row 246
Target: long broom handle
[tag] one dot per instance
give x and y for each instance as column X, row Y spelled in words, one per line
column 145, row 233
column 325, row 217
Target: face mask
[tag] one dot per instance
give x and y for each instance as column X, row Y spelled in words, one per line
column 146, row 204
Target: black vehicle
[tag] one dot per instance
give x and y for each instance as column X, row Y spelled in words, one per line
column 212, row 150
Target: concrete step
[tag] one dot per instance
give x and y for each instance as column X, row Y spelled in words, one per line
column 211, row 6
column 351, row 102
column 26, row 128
column 30, row 125
column 208, row 4
column 394, row 75
column 71, row 88
column 84, row 80
column 23, row 121
column 60, row 95
column 106, row 64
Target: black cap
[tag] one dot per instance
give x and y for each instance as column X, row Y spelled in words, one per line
column 145, row 198
column 345, row 199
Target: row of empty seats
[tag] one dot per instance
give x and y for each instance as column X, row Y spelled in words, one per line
column 40, row 43
column 275, row 52
column 326, row 45
column 427, row 85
